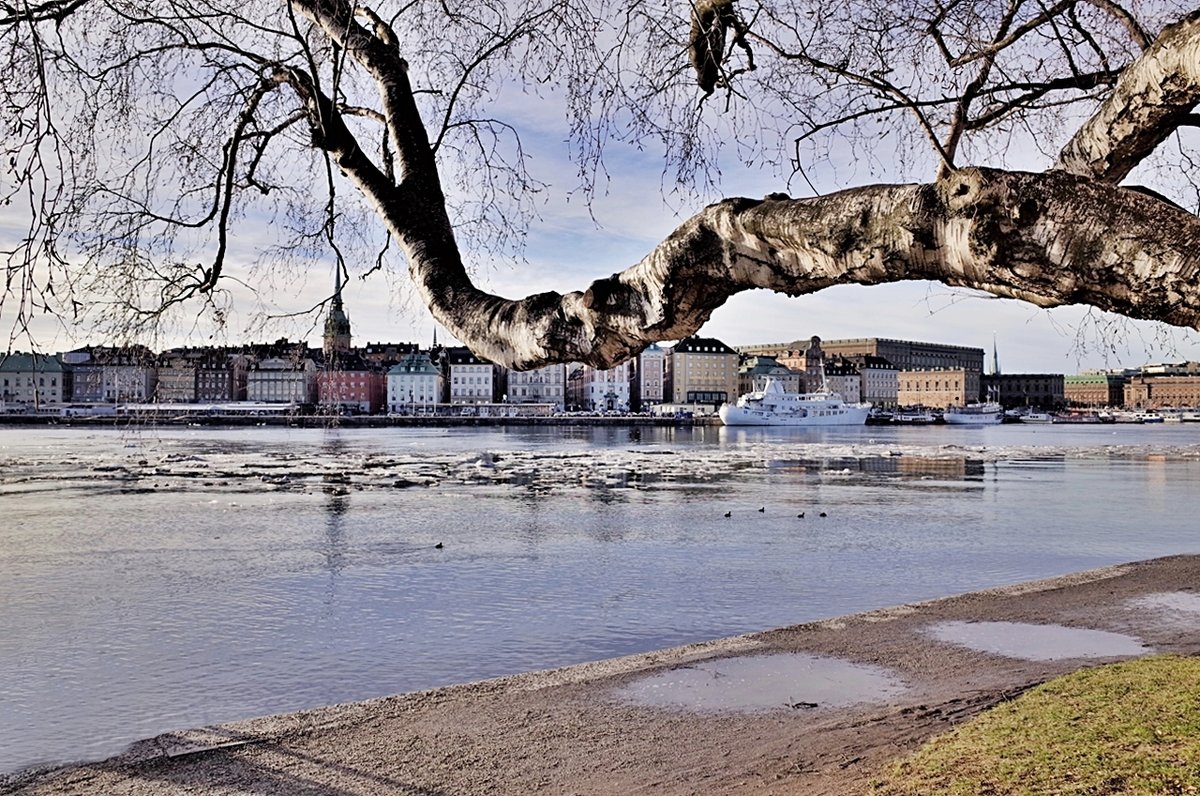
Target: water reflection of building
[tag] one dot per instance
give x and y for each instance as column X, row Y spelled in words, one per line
column 950, row 468
column 334, row 546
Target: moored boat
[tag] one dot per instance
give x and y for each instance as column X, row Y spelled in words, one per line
column 1076, row 417
column 774, row 406
column 988, row 413
column 913, row 416
column 1037, row 417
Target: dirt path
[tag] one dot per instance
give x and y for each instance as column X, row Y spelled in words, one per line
column 570, row 731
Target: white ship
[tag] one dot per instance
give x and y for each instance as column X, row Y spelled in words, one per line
column 774, row 406
column 984, row 414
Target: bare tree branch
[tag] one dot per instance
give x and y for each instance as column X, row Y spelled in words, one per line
column 1153, row 96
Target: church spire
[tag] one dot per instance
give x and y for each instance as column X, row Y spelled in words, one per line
column 337, row 323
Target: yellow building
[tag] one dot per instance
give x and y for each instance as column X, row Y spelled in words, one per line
column 938, row 389
column 701, row 370
column 1096, row 390
column 1158, row 392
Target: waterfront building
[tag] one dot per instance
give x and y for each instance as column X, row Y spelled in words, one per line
column 938, row 389
column 349, row 385
column 222, row 377
column 544, row 385
column 646, row 381
column 805, row 358
column 414, row 385
column 754, row 370
column 701, row 370
column 33, row 381
column 1044, row 390
column 879, row 379
column 1152, row 391
column 283, row 379
column 575, row 386
column 604, row 390
column 842, row 377
column 112, row 375
column 186, row 375
column 903, row 354
column 1094, row 390
column 176, row 381
column 472, row 380
column 812, row 360
column 794, row 359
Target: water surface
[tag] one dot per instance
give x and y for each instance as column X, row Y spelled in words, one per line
column 162, row 579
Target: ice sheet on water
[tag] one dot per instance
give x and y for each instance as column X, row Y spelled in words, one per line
column 239, row 464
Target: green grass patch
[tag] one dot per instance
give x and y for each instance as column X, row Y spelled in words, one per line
column 1126, row 728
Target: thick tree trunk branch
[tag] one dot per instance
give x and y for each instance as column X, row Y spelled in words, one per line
column 1050, row 239
column 1151, row 99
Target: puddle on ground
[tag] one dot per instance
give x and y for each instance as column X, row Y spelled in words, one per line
column 1177, row 602
column 759, row 683
column 1037, row 642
